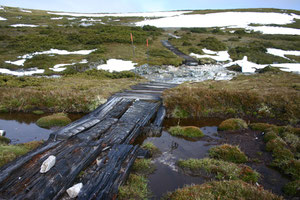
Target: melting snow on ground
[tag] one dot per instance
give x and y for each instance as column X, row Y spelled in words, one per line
column 56, row 18
column 229, row 19
column 174, row 36
column 51, row 51
column 27, row 11
column 2, row 19
column 250, row 67
column 23, row 25
column 60, row 67
column 117, row 65
column 220, row 56
column 146, row 14
column 22, row 72
column 282, row 53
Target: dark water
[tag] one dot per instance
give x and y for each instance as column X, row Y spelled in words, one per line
column 21, row 127
column 167, row 177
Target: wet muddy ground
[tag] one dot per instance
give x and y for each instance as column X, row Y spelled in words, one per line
column 168, row 177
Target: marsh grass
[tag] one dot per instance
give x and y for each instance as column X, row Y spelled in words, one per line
column 219, row 169
column 227, row 190
column 186, row 131
column 228, row 153
column 268, row 95
column 233, row 124
column 58, row 119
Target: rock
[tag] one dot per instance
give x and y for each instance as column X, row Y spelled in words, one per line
column 2, row 132
column 48, row 164
column 74, row 190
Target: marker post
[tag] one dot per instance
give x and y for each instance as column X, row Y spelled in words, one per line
column 131, row 37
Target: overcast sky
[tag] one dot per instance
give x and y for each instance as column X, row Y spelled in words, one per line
column 97, row 6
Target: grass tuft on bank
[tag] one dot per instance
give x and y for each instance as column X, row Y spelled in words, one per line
column 228, row 153
column 186, row 131
column 225, row 190
column 58, row 119
column 233, row 124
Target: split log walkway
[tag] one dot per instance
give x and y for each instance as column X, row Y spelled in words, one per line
column 188, row 60
column 100, row 144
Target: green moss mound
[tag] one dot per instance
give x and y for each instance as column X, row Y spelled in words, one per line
column 228, row 153
column 10, row 152
column 225, row 190
column 4, row 140
column 38, row 112
column 233, row 124
column 261, row 126
column 136, row 187
column 151, row 148
column 186, row 131
column 59, row 119
column 292, row 188
column 221, row 170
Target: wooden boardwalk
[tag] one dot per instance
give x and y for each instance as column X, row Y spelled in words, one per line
column 188, row 60
column 98, row 147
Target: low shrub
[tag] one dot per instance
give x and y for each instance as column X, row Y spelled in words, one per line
column 186, row 131
column 212, row 43
column 292, row 188
column 228, row 153
column 143, row 166
column 58, row 119
column 233, row 124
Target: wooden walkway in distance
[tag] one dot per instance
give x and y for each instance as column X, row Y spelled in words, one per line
column 100, row 143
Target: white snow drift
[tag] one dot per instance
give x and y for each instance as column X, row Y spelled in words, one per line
column 282, row 53
column 145, row 14
column 22, row 72
column 51, row 51
column 220, row 56
column 24, row 25
column 250, row 67
column 117, row 65
column 229, row 19
column 2, row 19
column 27, row 11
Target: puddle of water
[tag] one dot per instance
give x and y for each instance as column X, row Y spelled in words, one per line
column 167, row 178
column 21, row 127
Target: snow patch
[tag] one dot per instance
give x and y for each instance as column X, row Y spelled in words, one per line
column 275, row 30
column 174, row 36
column 2, row 19
column 117, row 65
column 51, row 52
column 250, row 67
column 282, row 53
column 27, row 11
column 145, row 14
column 223, row 19
column 90, row 20
column 56, row 18
column 24, row 25
column 220, row 56
column 22, row 72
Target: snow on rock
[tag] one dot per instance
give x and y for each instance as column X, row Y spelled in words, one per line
column 27, row 11
column 220, row 56
column 22, row 72
column 56, row 18
column 275, row 30
column 48, row 164
column 2, row 19
column 24, row 25
column 145, row 14
column 117, row 65
column 238, row 19
column 282, row 53
column 74, row 190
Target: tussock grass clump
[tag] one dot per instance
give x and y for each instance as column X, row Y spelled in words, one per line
column 58, row 119
column 292, row 188
column 38, row 112
column 136, row 187
column 228, row 153
column 219, row 169
column 143, row 166
column 261, row 126
column 4, row 140
column 151, row 148
column 212, row 43
column 186, row 131
column 267, row 95
column 225, row 190
column 10, row 152
column 233, row 124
